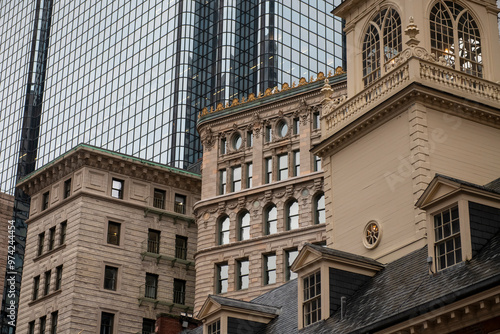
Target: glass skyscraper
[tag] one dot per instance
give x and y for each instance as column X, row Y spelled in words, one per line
column 131, row 76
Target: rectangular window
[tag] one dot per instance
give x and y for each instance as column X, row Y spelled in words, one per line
column 291, row 255
column 181, row 247
column 43, row 324
column 46, row 288
column 223, row 146
column 236, row 184
column 159, row 199
column 148, row 326
column 117, row 188
column 269, row 170
column 53, row 326
column 448, row 246
column 270, row 265
column 153, row 241
column 67, row 188
column 296, row 126
column 107, row 322
column 249, row 174
column 180, row 204
column 249, row 139
column 114, row 233
column 222, row 277
column 41, row 241
column 45, row 200
column 312, row 299
column 31, row 327
column 316, row 120
column 151, row 286
column 110, row 278
column 222, row 181
column 179, row 291
column 36, row 287
column 296, row 163
column 243, row 273
column 269, row 134
column 317, row 163
column 59, row 277
column 283, row 167
column 214, row 327
column 52, row 238
column 62, row 235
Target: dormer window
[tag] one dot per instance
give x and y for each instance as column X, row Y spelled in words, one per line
column 455, row 35
column 447, row 238
column 312, row 298
column 387, row 24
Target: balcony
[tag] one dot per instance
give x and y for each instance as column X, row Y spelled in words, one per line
column 162, row 297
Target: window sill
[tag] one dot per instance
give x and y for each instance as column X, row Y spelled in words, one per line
column 41, row 299
column 50, row 252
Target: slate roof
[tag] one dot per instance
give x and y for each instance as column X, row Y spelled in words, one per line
column 251, row 306
column 350, row 256
column 493, row 186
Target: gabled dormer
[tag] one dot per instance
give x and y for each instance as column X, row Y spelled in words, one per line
column 461, row 218
column 327, row 278
column 226, row 315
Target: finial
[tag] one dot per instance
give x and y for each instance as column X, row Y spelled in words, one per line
column 327, row 91
column 412, row 31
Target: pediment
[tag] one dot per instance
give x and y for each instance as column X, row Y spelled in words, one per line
column 437, row 191
column 209, row 307
column 306, row 256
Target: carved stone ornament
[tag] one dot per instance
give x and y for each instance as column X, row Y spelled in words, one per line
column 221, row 208
column 289, row 190
column 331, row 105
column 208, row 138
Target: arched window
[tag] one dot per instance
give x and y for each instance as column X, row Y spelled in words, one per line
column 455, row 35
column 271, row 217
column 244, row 225
column 387, row 24
column 292, row 218
column 223, row 230
column 319, row 209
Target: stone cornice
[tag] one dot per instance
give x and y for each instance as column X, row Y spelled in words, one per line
column 88, row 156
column 444, row 101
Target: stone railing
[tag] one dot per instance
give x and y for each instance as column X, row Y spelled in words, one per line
column 413, row 65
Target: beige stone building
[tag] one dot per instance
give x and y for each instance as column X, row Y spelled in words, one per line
column 111, row 243
column 6, row 209
column 262, row 189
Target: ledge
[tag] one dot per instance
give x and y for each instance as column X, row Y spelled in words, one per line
column 164, row 303
column 41, row 299
column 52, row 251
column 174, row 260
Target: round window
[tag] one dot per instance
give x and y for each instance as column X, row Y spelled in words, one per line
column 282, row 129
column 237, row 141
column 371, row 236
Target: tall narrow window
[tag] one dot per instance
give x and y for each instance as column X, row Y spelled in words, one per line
column 107, row 322
column 249, row 174
column 117, row 188
column 159, row 198
column 53, row 326
column 383, row 41
column 148, row 326
column 269, row 134
column 46, row 288
column 283, row 167
column 214, row 327
column 41, row 241
column 45, row 200
column 455, row 35
column 31, row 327
column 222, row 181
column 296, row 163
column 224, row 230
column 269, row 170
column 293, row 215
column 249, row 138
column 36, row 287
column 223, row 146
column 244, row 225
column 271, row 219
column 59, row 271
column 243, row 272
column 114, row 233
column 43, row 324
column 52, row 238
column 236, row 184
column 296, row 126
column 151, row 286
column 448, row 245
column 62, row 235
column 291, row 255
column 67, row 188
column 312, row 299
column 153, row 241
column 317, row 163
column 316, row 120
column 319, row 214
column 110, row 278
column 179, row 291
column 180, row 204
column 181, row 247
column 222, row 277
column 270, row 269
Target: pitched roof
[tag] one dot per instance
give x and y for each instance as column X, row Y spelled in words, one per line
column 350, row 256
column 251, row 306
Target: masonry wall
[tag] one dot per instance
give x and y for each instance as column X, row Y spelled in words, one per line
column 6, row 211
